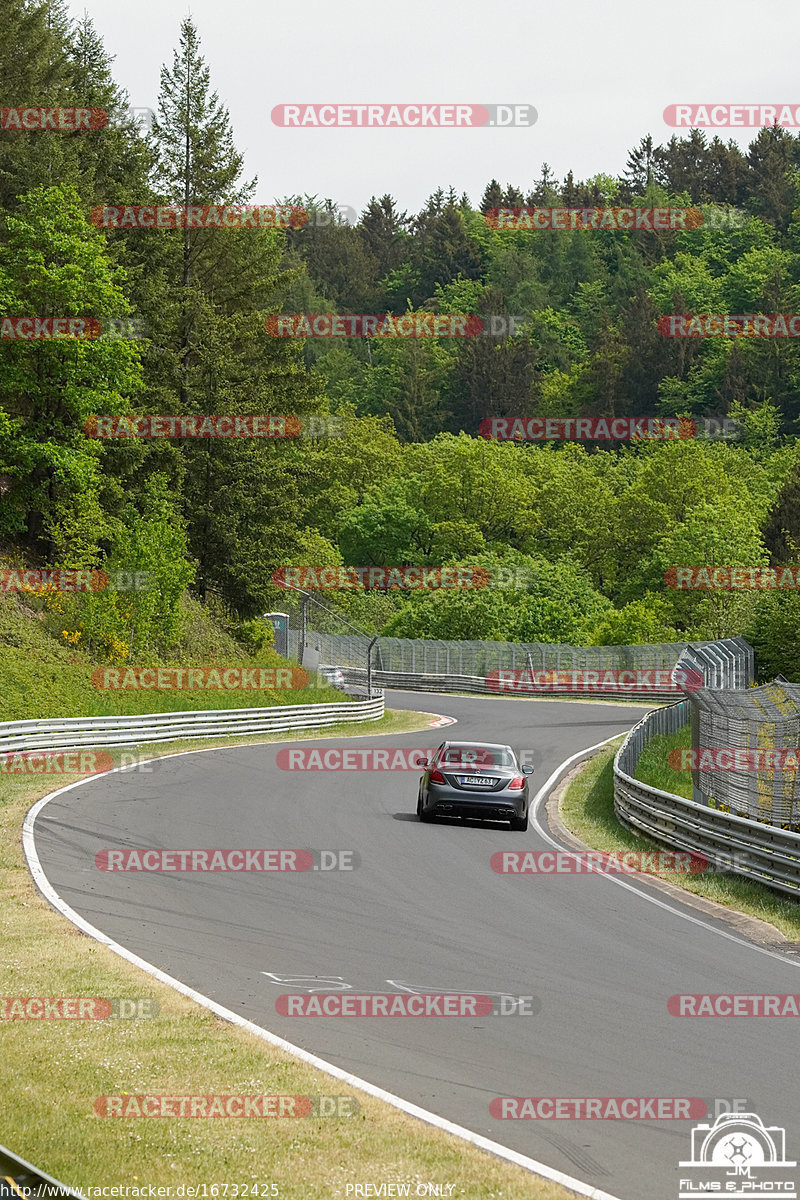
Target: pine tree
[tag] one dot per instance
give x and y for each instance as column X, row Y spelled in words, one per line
column 545, row 192
column 639, row 169
column 194, row 158
column 384, row 232
column 513, row 197
column 492, row 197
column 34, row 68
column 683, row 165
column 443, row 250
column 112, row 163
column 770, row 186
column 569, row 192
column 727, row 172
column 211, row 292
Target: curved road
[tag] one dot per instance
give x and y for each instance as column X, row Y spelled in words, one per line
column 424, row 910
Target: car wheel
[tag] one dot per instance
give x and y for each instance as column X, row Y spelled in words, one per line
column 425, row 817
column 520, row 824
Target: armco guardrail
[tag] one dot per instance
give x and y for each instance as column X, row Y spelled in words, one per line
column 163, row 727
column 760, row 852
column 28, row 1181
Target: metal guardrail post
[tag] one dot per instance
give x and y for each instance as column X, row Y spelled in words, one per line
column 302, row 646
column 369, row 667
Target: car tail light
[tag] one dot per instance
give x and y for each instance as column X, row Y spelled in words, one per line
column 437, row 777
column 517, row 783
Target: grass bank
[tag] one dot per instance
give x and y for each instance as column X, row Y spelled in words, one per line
column 44, row 677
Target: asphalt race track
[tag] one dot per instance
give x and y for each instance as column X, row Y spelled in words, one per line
column 425, row 911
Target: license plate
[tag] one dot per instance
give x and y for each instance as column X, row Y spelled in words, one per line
column 479, row 780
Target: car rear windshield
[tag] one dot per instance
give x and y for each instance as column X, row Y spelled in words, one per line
column 477, row 756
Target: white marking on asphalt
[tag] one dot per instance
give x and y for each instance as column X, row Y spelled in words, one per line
column 412, row 1110
column 544, row 833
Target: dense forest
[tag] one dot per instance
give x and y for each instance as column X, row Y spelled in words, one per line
column 590, row 529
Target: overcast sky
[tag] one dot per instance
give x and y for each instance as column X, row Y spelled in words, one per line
column 599, row 74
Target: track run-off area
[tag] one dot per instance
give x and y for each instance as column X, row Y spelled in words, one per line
column 423, row 911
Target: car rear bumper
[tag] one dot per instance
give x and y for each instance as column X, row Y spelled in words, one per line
column 498, row 806
column 479, row 812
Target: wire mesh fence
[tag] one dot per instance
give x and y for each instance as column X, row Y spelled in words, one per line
column 727, row 713
column 319, row 634
column 725, row 663
column 762, row 780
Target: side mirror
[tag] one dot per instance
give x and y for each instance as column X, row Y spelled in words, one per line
column 527, row 770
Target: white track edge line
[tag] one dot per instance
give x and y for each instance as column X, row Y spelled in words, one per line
column 642, row 891
column 413, row 1110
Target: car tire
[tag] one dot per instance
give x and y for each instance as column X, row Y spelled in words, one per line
column 425, row 817
column 520, row 824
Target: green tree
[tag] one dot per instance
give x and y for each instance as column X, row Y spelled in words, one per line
column 52, row 265
column 648, row 619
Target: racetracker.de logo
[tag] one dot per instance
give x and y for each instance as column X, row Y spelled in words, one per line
column 732, row 578
column 403, row 116
column 730, row 325
column 715, row 1004
column 601, row 680
column 48, row 329
column 306, row 325
column 151, row 861
column 394, row 1004
column 61, row 120
column 259, row 1105
column 586, row 429
column 229, row 425
column 597, row 1108
column 76, row 1008
column 735, row 758
column 143, row 117
column 55, row 762
column 724, row 116
column 563, row 862
column 569, row 219
column 349, row 578
column 348, row 759
column 193, row 679
column 38, row 579
column 198, row 216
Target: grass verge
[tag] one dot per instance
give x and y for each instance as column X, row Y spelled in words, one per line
column 42, row 677
column 653, row 766
column 587, row 809
column 54, row 1070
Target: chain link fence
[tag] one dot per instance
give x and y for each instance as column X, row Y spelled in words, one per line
column 314, row 630
column 726, row 663
column 319, row 635
column 727, row 713
column 759, row 721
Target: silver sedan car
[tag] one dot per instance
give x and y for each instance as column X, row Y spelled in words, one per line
column 475, row 779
